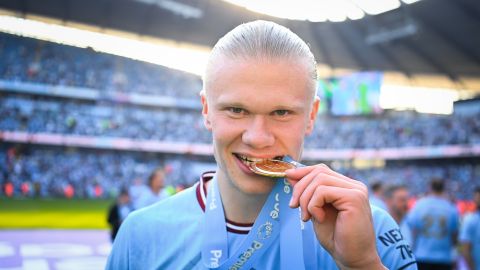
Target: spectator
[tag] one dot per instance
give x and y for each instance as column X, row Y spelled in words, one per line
column 470, row 235
column 434, row 224
column 396, row 198
column 118, row 212
column 376, row 197
column 156, row 191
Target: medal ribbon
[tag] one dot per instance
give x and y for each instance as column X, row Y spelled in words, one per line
column 275, row 219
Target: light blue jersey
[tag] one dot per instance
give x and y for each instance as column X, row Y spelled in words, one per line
column 168, row 235
column 406, row 232
column 378, row 202
column 434, row 222
column 470, row 233
column 148, row 197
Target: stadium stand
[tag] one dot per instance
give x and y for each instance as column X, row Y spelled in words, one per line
column 395, row 129
column 77, row 102
column 30, row 60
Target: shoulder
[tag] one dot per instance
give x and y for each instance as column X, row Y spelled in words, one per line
column 374, row 200
column 380, row 215
column 471, row 219
column 171, row 210
column 151, row 236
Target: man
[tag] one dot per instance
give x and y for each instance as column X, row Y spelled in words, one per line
column 396, row 198
column 434, row 224
column 470, row 235
column 376, row 198
column 156, row 190
column 259, row 102
column 118, row 212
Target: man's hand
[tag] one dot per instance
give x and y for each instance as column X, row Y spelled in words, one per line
column 339, row 209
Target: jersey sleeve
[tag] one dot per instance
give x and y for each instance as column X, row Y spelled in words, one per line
column 392, row 247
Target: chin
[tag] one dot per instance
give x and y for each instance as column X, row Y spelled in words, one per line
column 257, row 185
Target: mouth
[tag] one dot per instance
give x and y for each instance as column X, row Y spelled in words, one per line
column 249, row 160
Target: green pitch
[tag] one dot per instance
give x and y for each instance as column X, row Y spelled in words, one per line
column 53, row 213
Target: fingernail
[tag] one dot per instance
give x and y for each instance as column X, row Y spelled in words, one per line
column 291, row 203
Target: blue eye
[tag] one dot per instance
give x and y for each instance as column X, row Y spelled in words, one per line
column 281, row 112
column 236, row 110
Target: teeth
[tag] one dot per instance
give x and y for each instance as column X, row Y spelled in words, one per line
column 252, row 159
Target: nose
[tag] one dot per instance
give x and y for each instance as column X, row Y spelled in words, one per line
column 257, row 134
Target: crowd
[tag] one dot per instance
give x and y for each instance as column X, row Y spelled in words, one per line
column 88, row 173
column 51, row 169
column 460, row 176
column 96, row 119
column 30, row 60
column 439, row 234
column 395, row 129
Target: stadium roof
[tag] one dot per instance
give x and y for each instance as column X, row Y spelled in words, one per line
column 437, row 37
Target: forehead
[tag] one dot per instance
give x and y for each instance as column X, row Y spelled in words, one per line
column 401, row 192
column 278, row 80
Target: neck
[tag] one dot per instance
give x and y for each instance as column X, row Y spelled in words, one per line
column 239, row 206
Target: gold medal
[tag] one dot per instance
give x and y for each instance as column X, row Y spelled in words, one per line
column 271, row 167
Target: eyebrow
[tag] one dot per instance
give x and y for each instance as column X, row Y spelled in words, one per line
column 291, row 107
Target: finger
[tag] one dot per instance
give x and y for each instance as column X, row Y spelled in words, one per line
column 319, row 180
column 340, row 198
column 300, row 172
column 295, row 175
column 323, row 178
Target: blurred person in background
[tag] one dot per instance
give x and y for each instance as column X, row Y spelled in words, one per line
column 259, row 103
column 434, row 222
column 118, row 212
column 470, row 235
column 136, row 190
column 396, row 198
column 156, row 190
column 376, row 197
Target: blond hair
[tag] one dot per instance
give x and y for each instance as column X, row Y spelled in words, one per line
column 262, row 40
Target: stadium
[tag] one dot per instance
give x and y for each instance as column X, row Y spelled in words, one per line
column 95, row 96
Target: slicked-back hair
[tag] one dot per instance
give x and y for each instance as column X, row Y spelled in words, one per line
column 263, row 41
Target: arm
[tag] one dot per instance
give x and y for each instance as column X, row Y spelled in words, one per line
column 334, row 202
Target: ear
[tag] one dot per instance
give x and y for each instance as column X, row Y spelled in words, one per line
column 206, row 120
column 312, row 116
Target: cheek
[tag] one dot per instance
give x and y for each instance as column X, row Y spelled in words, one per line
column 294, row 133
column 225, row 130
